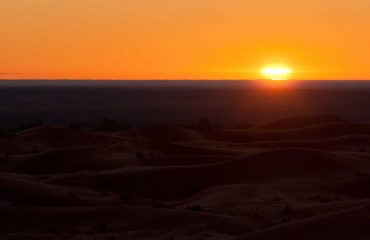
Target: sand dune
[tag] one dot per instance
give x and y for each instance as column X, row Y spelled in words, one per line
column 72, row 160
column 11, row 147
column 22, row 191
column 357, row 186
column 165, row 133
column 306, row 198
column 127, row 220
column 345, row 225
column 302, row 177
column 183, row 149
column 357, row 142
column 300, row 121
column 53, row 136
column 174, row 182
column 329, row 130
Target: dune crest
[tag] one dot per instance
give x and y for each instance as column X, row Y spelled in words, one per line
column 302, row 177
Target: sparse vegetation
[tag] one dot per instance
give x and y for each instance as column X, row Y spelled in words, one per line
column 158, row 205
column 76, row 126
column 52, row 230
column 310, row 214
column 72, row 194
column 287, row 209
column 284, row 220
column 363, row 149
column 195, row 208
column 74, row 232
column 101, row 228
column 140, row 155
column 44, row 177
column 6, row 133
column 125, row 196
column 205, row 125
column 325, row 200
column 118, row 186
column 167, row 154
column 110, row 125
column 34, row 150
column 30, row 125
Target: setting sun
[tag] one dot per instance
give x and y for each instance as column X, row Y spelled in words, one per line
column 276, row 72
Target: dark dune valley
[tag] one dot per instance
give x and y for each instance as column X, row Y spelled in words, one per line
column 300, row 177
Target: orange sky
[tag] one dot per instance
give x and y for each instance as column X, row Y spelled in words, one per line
column 183, row 39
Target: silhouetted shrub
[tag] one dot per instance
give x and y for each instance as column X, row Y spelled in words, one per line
column 74, row 232
column 194, row 191
column 125, row 196
column 30, row 125
column 6, row 133
column 72, row 194
column 140, row 155
column 325, row 200
column 196, row 208
column 101, row 228
column 287, row 209
column 34, row 150
column 363, row 149
column 76, row 126
column 167, row 154
column 52, row 230
column 310, row 214
column 158, row 205
column 243, row 126
column 110, row 125
column 44, row 177
column 205, row 125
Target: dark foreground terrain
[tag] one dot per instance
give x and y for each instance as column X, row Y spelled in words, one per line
column 305, row 177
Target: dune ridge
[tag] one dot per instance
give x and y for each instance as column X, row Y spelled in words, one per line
column 301, row 177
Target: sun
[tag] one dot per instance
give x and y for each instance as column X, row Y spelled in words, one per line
column 276, row 72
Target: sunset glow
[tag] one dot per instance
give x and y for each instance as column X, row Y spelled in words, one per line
column 192, row 39
column 276, row 73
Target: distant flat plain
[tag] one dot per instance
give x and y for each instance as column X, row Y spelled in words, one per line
column 144, row 102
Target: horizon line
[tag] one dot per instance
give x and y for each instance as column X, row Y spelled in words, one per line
column 203, row 79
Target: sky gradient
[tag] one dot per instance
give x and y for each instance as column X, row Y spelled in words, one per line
column 183, row 39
